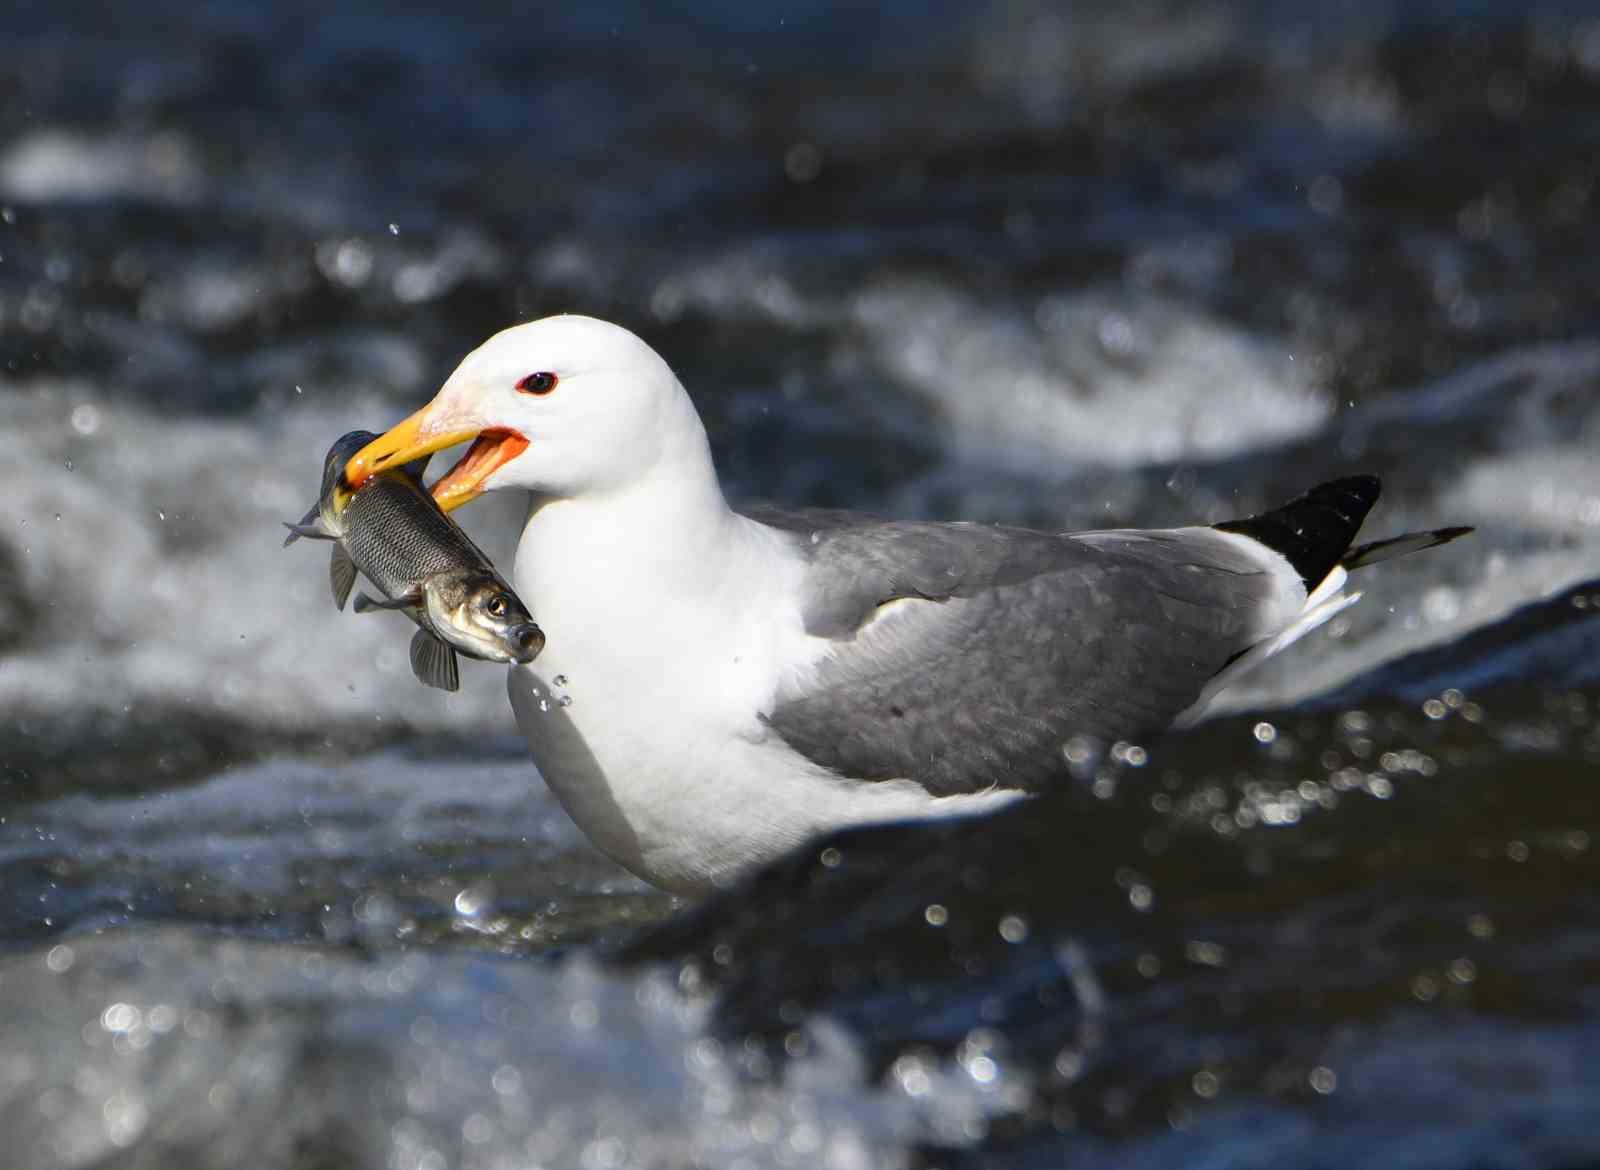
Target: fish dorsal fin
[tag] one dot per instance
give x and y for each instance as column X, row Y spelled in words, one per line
column 434, row 662
column 341, row 575
column 406, row 602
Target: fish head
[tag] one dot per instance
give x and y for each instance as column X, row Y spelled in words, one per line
column 479, row 614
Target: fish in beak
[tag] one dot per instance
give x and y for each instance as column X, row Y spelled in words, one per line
column 422, row 434
column 395, row 534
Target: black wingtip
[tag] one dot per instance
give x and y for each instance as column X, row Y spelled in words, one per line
column 1313, row 532
column 1399, row 546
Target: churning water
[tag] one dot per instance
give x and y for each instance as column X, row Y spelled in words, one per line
column 265, row 901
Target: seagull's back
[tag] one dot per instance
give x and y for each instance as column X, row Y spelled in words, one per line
column 965, row 657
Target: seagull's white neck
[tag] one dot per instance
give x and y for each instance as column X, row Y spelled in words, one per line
column 665, row 526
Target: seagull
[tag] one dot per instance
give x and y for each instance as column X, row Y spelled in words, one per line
column 720, row 686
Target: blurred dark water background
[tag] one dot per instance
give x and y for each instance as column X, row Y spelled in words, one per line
column 264, row 901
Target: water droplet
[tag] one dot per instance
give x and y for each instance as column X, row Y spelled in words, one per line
column 564, row 701
column 1265, row 732
column 120, row 1017
column 802, row 162
column 85, row 419
column 560, row 680
column 470, row 901
column 544, row 704
column 983, row 1069
column 507, row 1081
column 160, row 514
column 68, row 464
column 394, row 229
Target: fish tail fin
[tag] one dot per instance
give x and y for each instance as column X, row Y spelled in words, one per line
column 310, row 527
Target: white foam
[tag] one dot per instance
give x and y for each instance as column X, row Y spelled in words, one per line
column 1048, row 57
column 54, row 164
column 234, row 1053
column 1094, row 378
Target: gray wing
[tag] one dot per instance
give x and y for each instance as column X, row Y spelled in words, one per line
column 1028, row 640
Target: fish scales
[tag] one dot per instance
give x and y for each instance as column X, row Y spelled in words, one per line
column 397, row 539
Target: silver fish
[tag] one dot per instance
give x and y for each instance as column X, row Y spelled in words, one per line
column 426, row 567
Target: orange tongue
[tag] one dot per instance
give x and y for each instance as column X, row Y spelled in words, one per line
column 489, row 452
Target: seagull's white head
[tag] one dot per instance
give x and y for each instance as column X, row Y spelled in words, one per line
column 566, row 406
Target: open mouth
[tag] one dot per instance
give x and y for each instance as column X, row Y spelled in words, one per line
column 489, row 452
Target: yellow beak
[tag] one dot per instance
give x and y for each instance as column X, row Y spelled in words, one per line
column 416, row 437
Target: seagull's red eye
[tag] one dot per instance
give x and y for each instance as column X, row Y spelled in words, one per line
column 541, row 383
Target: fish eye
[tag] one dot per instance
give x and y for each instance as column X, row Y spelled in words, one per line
column 540, row 383
column 497, row 605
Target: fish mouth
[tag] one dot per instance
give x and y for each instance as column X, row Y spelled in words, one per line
column 419, row 435
column 490, row 451
column 527, row 640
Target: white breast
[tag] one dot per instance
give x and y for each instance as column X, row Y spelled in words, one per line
column 643, row 713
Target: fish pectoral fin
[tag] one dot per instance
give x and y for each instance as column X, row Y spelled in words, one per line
column 341, row 575
column 434, row 662
column 410, row 600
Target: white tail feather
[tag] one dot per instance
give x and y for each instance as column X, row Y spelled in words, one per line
column 1331, row 584
column 1326, row 602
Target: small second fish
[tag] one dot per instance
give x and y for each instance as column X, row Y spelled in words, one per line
column 426, row 566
